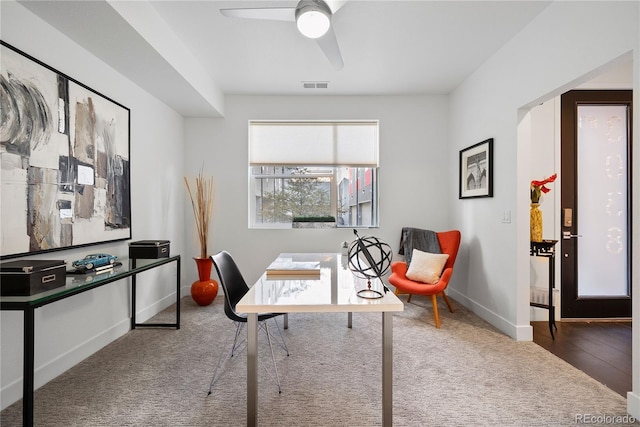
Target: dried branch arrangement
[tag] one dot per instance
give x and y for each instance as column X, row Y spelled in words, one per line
column 202, row 203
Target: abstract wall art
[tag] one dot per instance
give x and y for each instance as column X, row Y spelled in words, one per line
column 64, row 158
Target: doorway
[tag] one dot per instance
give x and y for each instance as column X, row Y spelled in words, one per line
column 595, row 204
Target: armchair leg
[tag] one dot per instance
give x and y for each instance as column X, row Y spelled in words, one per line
column 434, row 301
column 448, row 301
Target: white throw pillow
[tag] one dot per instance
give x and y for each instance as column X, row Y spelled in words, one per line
column 426, row 267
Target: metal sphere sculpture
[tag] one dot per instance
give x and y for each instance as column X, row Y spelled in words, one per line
column 369, row 257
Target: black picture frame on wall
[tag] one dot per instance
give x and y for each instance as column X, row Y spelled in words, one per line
column 476, row 170
column 64, row 154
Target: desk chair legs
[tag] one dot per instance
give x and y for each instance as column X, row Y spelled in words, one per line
column 239, row 344
column 282, row 342
column 275, row 368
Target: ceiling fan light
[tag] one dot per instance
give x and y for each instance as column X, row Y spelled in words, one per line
column 312, row 21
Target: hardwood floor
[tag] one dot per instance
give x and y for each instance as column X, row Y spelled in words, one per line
column 600, row 349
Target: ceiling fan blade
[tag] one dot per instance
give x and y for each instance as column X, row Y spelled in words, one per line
column 329, row 45
column 335, row 5
column 269, row 13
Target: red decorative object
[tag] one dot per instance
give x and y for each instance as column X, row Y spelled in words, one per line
column 205, row 289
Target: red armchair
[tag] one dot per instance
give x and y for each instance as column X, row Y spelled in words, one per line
column 449, row 244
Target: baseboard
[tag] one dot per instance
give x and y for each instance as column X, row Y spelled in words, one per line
column 538, row 315
column 519, row 333
column 633, row 405
column 55, row 367
column 596, row 319
column 148, row 312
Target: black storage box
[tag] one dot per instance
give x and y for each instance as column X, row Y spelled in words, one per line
column 28, row 277
column 149, row 249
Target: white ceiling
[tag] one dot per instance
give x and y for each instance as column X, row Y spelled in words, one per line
column 388, row 47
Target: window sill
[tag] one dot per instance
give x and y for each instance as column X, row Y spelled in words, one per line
column 313, row 225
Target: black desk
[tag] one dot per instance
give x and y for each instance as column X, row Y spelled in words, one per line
column 76, row 284
column 546, row 249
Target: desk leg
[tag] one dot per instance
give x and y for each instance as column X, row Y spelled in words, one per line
column 28, row 368
column 133, row 301
column 252, row 369
column 350, row 320
column 387, row 368
column 133, row 296
column 178, row 293
column 134, row 324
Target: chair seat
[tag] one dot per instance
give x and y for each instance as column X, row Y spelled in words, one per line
column 399, row 279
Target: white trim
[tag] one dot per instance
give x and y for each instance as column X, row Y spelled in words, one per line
column 517, row 332
column 633, row 405
column 59, row 365
column 149, row 311
column 55, row 367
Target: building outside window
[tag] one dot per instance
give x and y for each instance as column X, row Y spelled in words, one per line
column 313, row 170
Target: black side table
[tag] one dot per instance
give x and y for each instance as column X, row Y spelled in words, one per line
column 546, row 249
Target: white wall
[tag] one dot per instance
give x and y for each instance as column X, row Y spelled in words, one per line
column 413, row 170
column 562, row 47
column 70, row 330
column 550, row 55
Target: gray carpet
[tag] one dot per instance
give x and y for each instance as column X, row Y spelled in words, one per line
column 467, row 373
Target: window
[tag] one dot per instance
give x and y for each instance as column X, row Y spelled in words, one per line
column 313, row 169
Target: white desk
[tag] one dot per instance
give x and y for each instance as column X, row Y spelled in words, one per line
column 334, row 291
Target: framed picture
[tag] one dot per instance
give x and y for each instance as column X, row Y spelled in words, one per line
column 64, row 154
column 476, row 170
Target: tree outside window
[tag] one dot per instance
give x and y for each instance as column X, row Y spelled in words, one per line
column 282, row 193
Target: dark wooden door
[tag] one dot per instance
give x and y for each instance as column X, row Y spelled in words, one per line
column 596, row 204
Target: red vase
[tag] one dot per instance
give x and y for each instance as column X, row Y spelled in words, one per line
column 205, row 289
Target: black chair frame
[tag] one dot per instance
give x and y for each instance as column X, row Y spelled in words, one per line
column 234, row 288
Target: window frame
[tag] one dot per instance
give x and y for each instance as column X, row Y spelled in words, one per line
column 372, row 146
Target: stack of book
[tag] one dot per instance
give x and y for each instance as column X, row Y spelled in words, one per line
column 286, row 267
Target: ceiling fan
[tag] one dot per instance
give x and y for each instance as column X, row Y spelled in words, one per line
column 312, row 17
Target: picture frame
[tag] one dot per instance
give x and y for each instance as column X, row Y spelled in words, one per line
column 476, row 170
column 64, row 160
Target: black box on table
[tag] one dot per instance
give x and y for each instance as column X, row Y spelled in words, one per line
column 28, row 277
column 149, row 249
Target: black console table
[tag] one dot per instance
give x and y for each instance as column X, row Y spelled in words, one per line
column 546, row 249
column 76, row 284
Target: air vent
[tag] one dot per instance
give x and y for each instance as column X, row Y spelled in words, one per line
column 315, row 85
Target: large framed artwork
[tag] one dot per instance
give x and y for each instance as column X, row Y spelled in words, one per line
column 476, row 170
column 64, row 152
